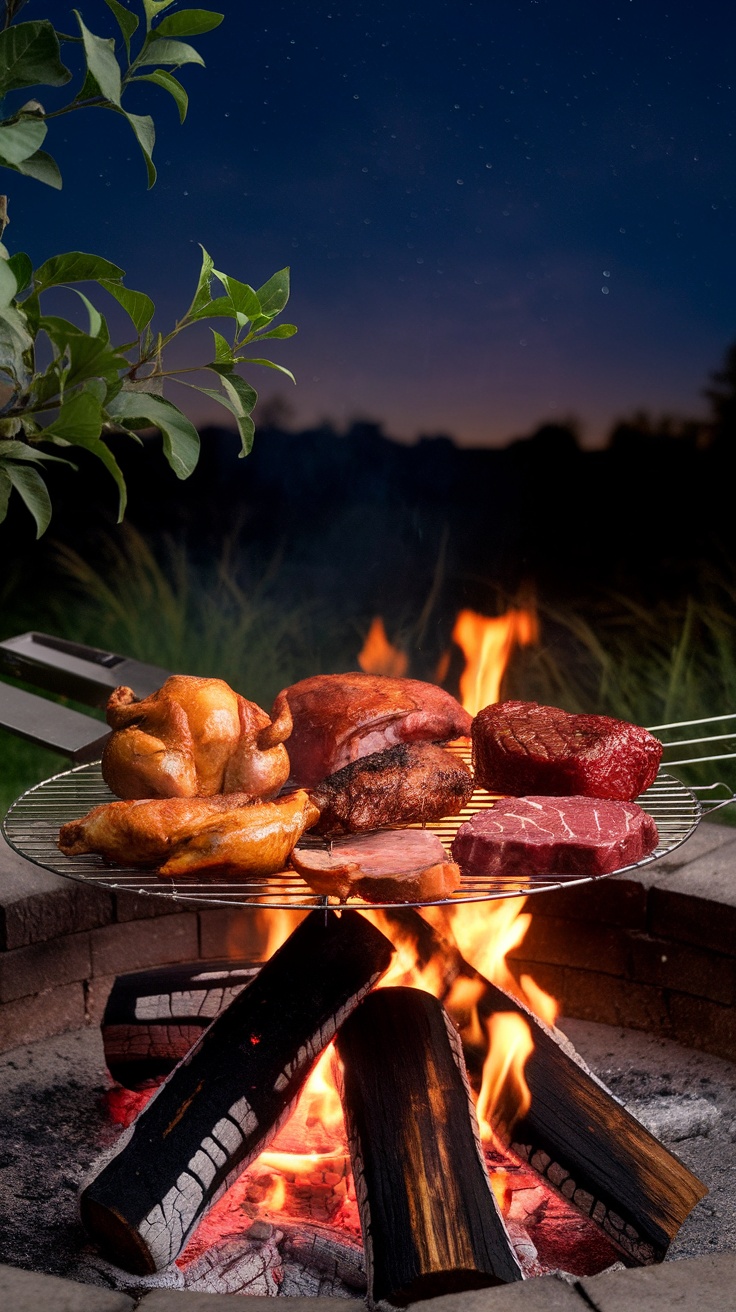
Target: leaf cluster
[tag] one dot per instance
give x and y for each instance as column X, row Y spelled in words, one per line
column 63, row 385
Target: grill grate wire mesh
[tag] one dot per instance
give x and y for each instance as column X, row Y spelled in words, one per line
column 32, row 825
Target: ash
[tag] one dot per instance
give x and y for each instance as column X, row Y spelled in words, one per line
column 54, row 1122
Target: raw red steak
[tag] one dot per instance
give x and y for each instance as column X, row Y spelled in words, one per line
column 521, row 748
column 340, row 717
column 555, row 836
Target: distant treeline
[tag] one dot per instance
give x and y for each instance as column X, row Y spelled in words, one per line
column 372, row 525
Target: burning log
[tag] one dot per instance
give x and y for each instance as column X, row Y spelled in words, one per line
column 575, row 1134
column 429, row 1218
column 153, row 1017
column 227, row 1099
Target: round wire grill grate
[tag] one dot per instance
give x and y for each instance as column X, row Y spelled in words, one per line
column 32, row 825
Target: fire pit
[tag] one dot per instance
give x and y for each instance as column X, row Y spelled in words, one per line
column 599, row 948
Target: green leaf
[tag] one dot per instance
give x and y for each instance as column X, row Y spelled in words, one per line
column 20, row 140
column 242, row 295
column 189, row 22
column 180, row 437
column 30, row 56
column 269, row 364
column 202, row 295
column 137, row 305
column 223, row 349
column 171, row 84
column 127, row 22
column 161, row 51
column 8, row 284
column 101, row 62
column 22, row 268
column 145, row 134
column 95, row 318
column 80, row 423
column 87, row 357
column 153, row 7
column 75, row 267
column 6, row 488
column 43, row 168
column 239, row 408
column 283, row 330
column 15, row 340
column 33, row 492
column 274, row 294
column 221, row 307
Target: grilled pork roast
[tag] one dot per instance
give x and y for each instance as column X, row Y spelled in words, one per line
column 388, row 865
column 194, row 738
column 582, row 836
column 408, row 783
column 521, row 748
column 338, row 718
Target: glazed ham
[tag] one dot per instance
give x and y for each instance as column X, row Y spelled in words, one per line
column 338, row 718
column 521, row 748
column 408, row 783
column 583, row 836
column 388, row 865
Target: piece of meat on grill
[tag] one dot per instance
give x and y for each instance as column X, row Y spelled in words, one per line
column 341, row 717
column 248, row 844
column 520, row 748
column 388, row 865
column 582, row 836
column 144, row 832
column 406, row 784
column 194, row 738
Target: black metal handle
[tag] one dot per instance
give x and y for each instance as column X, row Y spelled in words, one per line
column 51, row 725
column 88, row 674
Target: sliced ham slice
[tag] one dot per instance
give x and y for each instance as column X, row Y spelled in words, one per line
column 582, row 836
column 389, row 865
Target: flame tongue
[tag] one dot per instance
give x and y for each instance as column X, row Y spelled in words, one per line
column 379, row 656
column 487, row 644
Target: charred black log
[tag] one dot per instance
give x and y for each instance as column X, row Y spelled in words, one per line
column 153, row 1017
column 430, row 1221
column 576, row 1135
column 227, row 1099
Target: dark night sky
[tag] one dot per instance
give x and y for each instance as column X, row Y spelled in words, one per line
column 495, row 213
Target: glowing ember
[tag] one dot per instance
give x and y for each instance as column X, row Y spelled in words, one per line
column 379, row 656
column 487, row 645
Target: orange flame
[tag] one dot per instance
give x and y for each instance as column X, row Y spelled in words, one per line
column 379, row 656
column 504, row 1092
column 487, row 645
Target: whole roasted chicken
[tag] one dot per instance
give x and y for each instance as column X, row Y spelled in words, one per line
column 194, row 738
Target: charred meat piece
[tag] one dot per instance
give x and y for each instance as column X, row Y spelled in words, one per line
column 194, row 738
column 408, row 783
column 145, row 832
column 399, row 865
column 582, row 836
column 521, row 748
column 341, row 717
column 249, row 844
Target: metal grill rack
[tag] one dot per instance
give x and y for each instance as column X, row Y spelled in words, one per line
column 32, row 825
